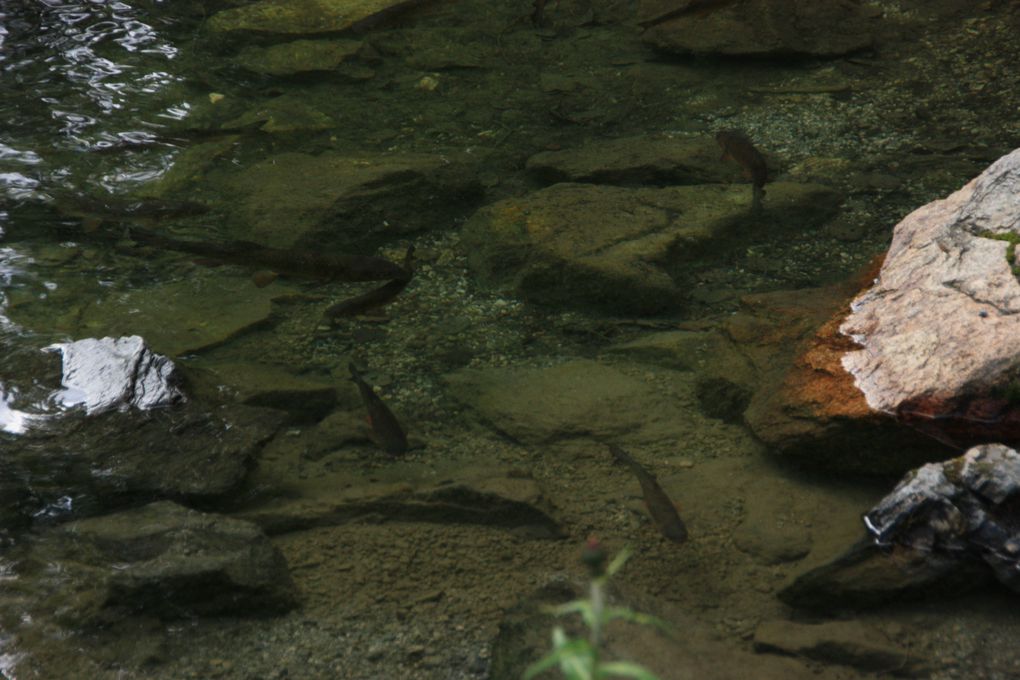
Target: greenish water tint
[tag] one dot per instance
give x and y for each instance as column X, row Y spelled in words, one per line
column 138, row 114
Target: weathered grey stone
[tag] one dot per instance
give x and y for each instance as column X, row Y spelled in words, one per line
column 334, row 201
column 574, row 399
column 620, row 248
column 299, row 56
column 942, row 319
column 644, row 160
column 825, row 28
column 160, row 560
column 303, row 17
column 932, row 531
column 961, row 507
column 849, row 643
column 117, row 373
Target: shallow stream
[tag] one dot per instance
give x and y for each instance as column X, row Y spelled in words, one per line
column 139, row 115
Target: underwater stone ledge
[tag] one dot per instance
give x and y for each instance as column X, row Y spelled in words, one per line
column 625, row 249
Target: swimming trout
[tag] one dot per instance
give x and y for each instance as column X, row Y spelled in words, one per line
column 660, row 507
column 387, row 430
column 307, row 264
column 377, row 297
column 738, row 147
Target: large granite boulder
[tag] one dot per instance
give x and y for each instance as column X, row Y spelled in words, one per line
column 160, row 560
column 617, row 248
column 822, row 28
column 934, row 344
column 935, row 529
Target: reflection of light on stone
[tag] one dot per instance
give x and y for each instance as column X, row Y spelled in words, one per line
column 9, row 153
column 61, row 506
column 176, row 112
column 12, row 420
column 15, row 185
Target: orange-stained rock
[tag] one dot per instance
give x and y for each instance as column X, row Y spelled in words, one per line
column 922, row 364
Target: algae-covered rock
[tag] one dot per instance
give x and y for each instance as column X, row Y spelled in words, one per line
column 186, row 452
column 304, row 17
column 621, row 248
column 160, row 560
column 185, row 316
column 305, row 398
column 760, row 27
column 286, row 113
column 574, row 399
column 346, row 201
column 299, row 56
column 178, row 317
column 634, row 161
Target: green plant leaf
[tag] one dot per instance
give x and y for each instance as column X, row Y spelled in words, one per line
column 611, row 613
column 574, row 657
column 618, row 561
column 625, row 669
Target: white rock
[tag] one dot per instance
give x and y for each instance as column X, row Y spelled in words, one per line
column 111, row 373
column 942, row 318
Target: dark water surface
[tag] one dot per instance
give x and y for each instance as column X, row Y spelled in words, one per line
column 120, row 116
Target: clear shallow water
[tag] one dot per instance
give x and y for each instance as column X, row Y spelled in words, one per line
column 102, row 98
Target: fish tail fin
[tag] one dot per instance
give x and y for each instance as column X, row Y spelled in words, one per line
column 620, row 455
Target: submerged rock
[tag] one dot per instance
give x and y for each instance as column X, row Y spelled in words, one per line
column 848, row 643
column 500, row 501
column 79, row 466
column 823, row 28
column 934, row 344
column 575, row 399
column 635, row 161
column 621, row 248
column 304, row 398
column 338, row 201
column 299, row 56
column 117, row 373
column 160, row 560
column 306, row 17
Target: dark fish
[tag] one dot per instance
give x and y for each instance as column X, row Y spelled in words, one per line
column 660, row 507
column 307, row 264
column 391, row 436
column 377, row 297
column 538, row 13
column 121, row 210
column 738, row 147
